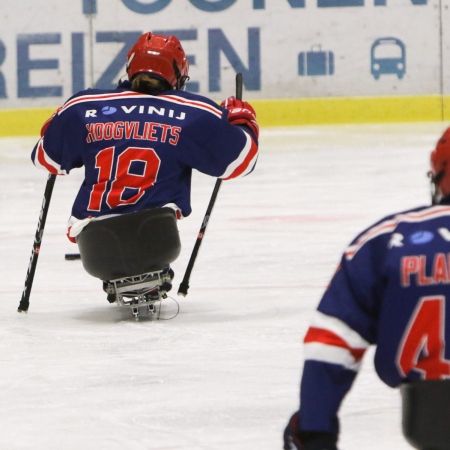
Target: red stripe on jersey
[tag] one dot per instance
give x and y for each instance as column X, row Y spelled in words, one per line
column 245, row 164
column 385, row 227
column 42, row 160
column 433, row 211
column 48, row 121
column 86, row 98
column 117, row 96
column 194, row 103
column 390, row 225
column 329, row 338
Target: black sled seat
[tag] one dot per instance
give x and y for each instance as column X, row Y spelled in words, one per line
column 130, row 244
column 426, row 414
column 132, row 254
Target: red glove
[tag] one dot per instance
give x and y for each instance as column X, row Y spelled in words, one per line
column 294, row 439
column 241, row 113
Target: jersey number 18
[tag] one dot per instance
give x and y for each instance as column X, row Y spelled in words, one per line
column 123, row 179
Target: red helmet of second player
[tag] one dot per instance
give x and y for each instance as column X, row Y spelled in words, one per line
column 440, row 163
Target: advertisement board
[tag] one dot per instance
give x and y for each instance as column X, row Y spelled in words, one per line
column 286, row 49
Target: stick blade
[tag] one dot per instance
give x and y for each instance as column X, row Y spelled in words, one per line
column 183, row 289
column 23, row 306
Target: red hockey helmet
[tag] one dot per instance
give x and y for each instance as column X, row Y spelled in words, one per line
column 161, row 55
column 440, row 164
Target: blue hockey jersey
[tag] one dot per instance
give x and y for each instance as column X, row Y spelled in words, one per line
column 392, row 290
column 139, row 150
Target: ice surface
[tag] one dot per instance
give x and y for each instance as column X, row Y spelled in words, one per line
column 79, row 373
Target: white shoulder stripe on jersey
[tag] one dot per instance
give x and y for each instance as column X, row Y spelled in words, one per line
column 383, row 228
column 432, row 212
column 130, row 94
column 388, row 226
column 315, row 351
column 193, row 103
column 99, row 97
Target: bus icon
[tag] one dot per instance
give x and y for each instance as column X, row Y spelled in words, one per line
column 388, row 55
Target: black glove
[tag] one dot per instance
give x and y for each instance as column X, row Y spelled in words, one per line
column 307, row 440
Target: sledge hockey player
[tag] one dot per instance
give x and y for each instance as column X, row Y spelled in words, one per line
column 139, row 143
column 391, row 289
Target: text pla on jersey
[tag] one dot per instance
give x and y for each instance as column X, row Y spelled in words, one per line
column 415, row 265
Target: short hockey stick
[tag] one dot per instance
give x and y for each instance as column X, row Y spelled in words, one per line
column 25, row 300
column 184, row 286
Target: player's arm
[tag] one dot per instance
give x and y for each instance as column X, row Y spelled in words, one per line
column 58, row 150
column 342, row 329
column 333, row 351
column 241, row 115
column 220, row 144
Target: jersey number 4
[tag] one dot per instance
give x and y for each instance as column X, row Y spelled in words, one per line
column 423, row 343
column 146, row 164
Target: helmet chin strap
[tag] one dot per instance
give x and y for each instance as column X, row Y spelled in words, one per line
column 123, row 78
column 436, row 195
column 181, row 82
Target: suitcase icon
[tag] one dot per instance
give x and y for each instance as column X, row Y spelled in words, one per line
column 316, row 62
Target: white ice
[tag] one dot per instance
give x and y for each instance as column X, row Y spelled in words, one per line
column 79, row 373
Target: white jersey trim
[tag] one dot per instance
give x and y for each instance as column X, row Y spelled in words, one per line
column 248, row 148
column 75, row 226
column 339, row 328
column 388, row 226
column 333, row 341
column 316, row 351
column 43, row 161
column 130, row 94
